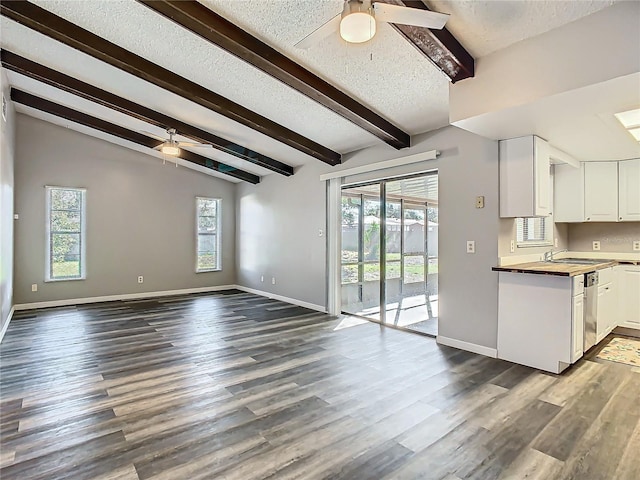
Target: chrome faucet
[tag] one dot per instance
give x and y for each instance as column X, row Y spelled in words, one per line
column 548, row 256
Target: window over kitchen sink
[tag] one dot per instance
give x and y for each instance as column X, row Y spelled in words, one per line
column 534, row 231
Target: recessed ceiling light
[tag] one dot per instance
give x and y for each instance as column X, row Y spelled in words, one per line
column 631, row 121
column 635, row 132
column 630, row 118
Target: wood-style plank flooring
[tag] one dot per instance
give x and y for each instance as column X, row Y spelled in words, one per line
column 236, row 386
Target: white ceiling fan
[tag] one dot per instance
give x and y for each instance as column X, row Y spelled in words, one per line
column 171, row 146
column 357, row 22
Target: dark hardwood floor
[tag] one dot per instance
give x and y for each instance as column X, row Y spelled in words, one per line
column 236, row 386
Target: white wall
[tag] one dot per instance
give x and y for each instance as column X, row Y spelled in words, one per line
column 588, row 51
column 140, row 216
column 278, row 223
column 6, row 205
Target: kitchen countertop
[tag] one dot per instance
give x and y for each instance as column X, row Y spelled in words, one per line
column 550, row 268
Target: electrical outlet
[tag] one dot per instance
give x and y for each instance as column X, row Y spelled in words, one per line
column 273, row 280
column 596, row 244
column 140, row 279
column 471, row 246
column 636, row 245
column 16, row 216
column 480, row 202
column 513, row 246
column 34, row 287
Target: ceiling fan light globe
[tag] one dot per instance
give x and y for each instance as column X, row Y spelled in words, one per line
column 170, row 150
column 357, row 27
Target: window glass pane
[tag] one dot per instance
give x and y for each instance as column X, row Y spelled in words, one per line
column 372, row 271
column 206, row 243
column 65, row 221
column 393, row 269
column 207, row 261
column 206, row 224
column 414, row 240
column 62, row 199
column 207, row 230
column 349, row 274
column 414, row 269
column 371, row 230
column 207, row 207
column 65, row 255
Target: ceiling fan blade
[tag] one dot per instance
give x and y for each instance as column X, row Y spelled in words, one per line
column 320, row 33
column 162, row 139
column 194, row 144
column 409, row 16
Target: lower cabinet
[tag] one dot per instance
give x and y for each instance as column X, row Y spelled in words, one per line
column 607, row 312
column 628, row 286
column 577, row 328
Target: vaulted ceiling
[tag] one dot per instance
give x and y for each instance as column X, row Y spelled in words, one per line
column 392, row 89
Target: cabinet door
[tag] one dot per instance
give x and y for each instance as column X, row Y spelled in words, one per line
column 577, row 329
column 568, row 193
column 629, row 190
column 601, row 191
column 542, row 182
column 602, row 321
column 629, row 299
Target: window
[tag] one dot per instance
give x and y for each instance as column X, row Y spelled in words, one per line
column 66, row 247
column 208, row 229
column 534, row 231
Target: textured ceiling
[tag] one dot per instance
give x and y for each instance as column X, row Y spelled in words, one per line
column 387, row 74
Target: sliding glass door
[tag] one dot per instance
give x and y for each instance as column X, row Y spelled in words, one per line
column 389, row 252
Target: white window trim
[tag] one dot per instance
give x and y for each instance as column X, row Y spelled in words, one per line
column 218, row 235
column 83, row 235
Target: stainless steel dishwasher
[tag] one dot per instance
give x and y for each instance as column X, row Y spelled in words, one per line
column 590, row 309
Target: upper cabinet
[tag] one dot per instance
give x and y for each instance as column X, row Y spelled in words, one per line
column 601, row 191
column 629, row 190
column 597, row 192
column 525, row 178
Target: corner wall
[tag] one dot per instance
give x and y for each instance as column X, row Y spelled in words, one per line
column 279, row 222
column 140, row 216
column 7, row 153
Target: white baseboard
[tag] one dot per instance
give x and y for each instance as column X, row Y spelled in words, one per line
column 6, row 324
column 125, row 296
column 312, row 306
column 469, row 347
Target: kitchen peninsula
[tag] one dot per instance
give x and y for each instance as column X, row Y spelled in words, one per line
column 542, row 308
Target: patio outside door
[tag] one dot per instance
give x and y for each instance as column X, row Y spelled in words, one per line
column 389, row 252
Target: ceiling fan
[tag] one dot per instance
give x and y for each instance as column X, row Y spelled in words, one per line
column 357, row 22
column 171, row 146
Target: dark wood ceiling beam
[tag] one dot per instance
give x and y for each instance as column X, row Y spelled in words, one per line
column 81, row 118
column 207, row 24
column 47, row 23
column 439, row 46
column 72, row 85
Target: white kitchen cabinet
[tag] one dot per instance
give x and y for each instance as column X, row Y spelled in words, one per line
column 577, row 318
column 525, row 177
column 607, row 309
column 535, row 326
column 628, row 287
column 568, row 193
column 597, row 192
column 629, row 190
column 601, row 191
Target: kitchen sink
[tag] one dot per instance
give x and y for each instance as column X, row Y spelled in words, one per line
column 578, row 261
